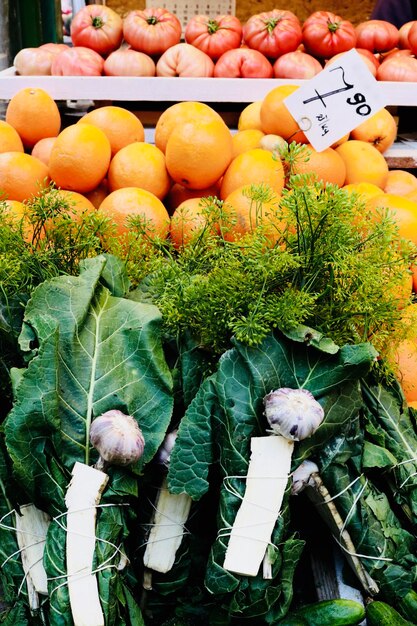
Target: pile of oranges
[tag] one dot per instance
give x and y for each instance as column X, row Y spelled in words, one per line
column 103, row 163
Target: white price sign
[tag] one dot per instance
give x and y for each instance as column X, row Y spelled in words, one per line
column 336, row 100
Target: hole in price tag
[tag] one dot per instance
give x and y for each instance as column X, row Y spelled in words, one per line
column 336, row 100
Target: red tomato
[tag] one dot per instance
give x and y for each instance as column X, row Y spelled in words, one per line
column 33, row 62
column 326, row 34
column 403, row 32
column 273, row 32
column 77, row 61
column 412, row 38
column 243, row 63
column 151, row 30
column 377, row 35
column 97, row 27
column 128, row 62
column 214, row 36
column 296, row 64
column 371, row 65
column 398, row 69
column 55, row 48
column 183, row 59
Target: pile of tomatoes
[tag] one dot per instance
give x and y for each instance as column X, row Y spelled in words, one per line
column 151, row 42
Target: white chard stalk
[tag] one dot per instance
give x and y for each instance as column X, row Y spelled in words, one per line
column 171, row 513
column 119, row 441
column 293, row 414
column 267, row 478
column 82, row 497
column 31, row 529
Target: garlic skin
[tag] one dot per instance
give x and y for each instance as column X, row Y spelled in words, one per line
column 293, row 413
column 301, row 476
column 163, row 455
column 117, row 438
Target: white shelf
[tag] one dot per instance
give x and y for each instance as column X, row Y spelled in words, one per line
column 159, row 89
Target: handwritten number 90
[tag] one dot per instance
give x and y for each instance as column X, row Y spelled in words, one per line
column 359, row 99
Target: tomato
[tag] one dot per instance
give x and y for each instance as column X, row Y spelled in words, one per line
column 77, row 61
column 128, row 62
column 97, row 27
column 152, row 30
column 243, row 63
column 398, row 69
column 214, row 36
column 33, row 62
column 326, row 34
column 371, row 64
column 55, row 48
column 412, row 38
column 403, row 32
column 183, row 59
column 273, row 32
column 377, row 35
column 296, row 64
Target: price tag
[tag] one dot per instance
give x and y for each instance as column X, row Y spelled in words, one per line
column 336, row 100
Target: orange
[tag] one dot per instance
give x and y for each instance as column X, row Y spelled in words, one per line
column 198, row 153
column 178, row 114
column 18, row 211
column 80, row 158
column 327, row 165
column 246, row 140
column 22, row 176
column 42, row 149
column 9, row 138
column 121, row 126
column 380, row 130
column 188, row 219
column 403, row 210
column 276, row 118
column 178, row 193
column 243, row 214
column 250, row 117
column 140, row 165
column 367, row 190
column 364, row 163
column 340, row 141
column 400, row 183
column 98, row 194
column 77, row 203
column 34, row 114
column 406, row 361
column 132, row 201
column 253, row 167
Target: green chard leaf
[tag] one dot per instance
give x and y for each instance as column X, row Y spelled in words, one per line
column 389, row 426
column 93, row 352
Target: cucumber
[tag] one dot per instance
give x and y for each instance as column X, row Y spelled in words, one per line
column 337, row 612
column 407, row 606
column 381, row 614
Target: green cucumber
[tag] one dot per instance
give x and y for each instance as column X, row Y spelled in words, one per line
column 337, row 612
column 382, row 614
column 407, row 606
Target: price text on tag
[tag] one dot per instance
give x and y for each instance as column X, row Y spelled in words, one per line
column 336, row 100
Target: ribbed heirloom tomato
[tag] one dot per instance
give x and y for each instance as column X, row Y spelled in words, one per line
column 273, row 32
column 97, row 27
column 243, row 63
column 326, row 34
column 152, row 30
column 214, row 35
column 377, row 35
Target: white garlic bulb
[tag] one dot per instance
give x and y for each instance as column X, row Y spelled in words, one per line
column 117, row 437
column 293, row 413
column 301, row 476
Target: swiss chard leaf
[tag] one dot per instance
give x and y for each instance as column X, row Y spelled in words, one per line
column 90, row 351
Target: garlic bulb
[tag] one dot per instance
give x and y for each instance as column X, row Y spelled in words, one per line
column 163, row 455
column 118, row 439
column 293, row 413
column 301, row 476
